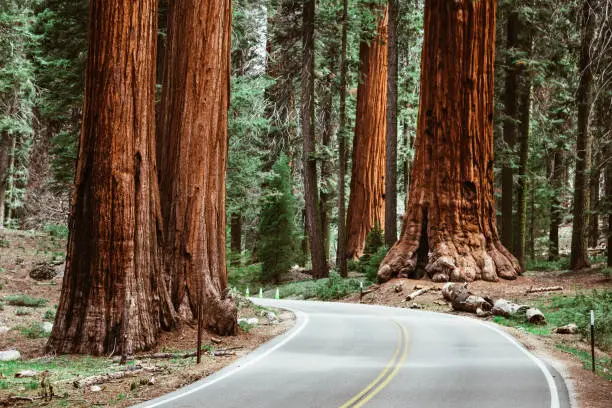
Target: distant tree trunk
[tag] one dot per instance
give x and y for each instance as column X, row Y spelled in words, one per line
column 236, row 237
column 556, row 210
column 326, row 165
column 579, row 258
column 367, row 199
column 408, row 143
column 10, row 180
column 523, row 133
column 313, row 218
column 593, row 233
column 193, row 158
column 112, row 294
column 449, row 227
column 391, row 137
column 510, row 130
column 342, row 150
column 4, row 155
column 609, row 194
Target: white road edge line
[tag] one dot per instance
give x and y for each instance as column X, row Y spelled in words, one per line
column 303, row 316
column 554, row 393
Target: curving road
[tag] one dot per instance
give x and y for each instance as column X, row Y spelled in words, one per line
column 350, row 355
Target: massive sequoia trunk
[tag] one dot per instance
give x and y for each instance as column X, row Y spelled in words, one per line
column 367, row 199
column 193, row 156
column 112, row 295
column 578, row 256
column 449, row 227
column 313, row 218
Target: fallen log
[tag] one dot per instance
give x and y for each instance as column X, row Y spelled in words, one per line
column 535, row 316
column 571, row 328
column 506, row 308
column 544, row 289
column 417, row 293
column 463, row 300
column 100, row 379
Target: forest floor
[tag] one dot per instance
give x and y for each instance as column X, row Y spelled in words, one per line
column 27, row 310
column 568, row 353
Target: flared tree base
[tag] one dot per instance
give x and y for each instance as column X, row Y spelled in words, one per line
column 459, row 258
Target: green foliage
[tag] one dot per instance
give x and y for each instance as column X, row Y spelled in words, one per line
column 374, row 241
column 33, row 331
column 540, row 264
column 576, row 309
column 277, row 241
column 25, row 300
column 603, row 365
column 245, row 326
column 241, row 276
column 57, row 231
column 50, row 315
column 334, row 287
column 21, row 312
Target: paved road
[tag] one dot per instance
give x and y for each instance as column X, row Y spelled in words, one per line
column 348, row 355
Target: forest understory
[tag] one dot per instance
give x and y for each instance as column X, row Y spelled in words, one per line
column 28, row 305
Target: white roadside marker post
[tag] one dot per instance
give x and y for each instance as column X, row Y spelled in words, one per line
column 360, row 290
column 260, row 292
column 277, row 295
column 593, row 339
column 246, row 292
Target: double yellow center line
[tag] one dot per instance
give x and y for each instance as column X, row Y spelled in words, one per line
column 385, row 377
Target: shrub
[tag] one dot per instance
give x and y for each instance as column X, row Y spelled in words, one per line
column 57, row 231
column 539, row 264
column 22, row 312
column 374, row 241
column 25, row 300
column 50, row 315
column 33, row 331
column 277, row 238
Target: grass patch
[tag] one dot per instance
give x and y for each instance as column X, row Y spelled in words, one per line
column 57, row 231
column 540, row 264
column 49, row 315
column 33, row 331
column 603, row 366
column 22, row 312
column 25, row 301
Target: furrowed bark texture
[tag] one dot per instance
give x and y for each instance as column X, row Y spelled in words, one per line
column 193, row 158
column 367, row 198
column 449, row 227
column 313, row 218
column 578, row 256
column 4, row 154
column 112, row 294
column 593, row 232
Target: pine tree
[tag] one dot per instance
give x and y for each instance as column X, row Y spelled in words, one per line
column 277, row 232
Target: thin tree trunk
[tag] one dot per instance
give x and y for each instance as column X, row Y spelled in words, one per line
column 342, row 151
column 608, row 197
column 193, row 158
column 579, row 258
column 366, row 207
column 10, row 182
column 236, row 237
column 510, row 130
column 112, row 295
column 391, row 137
column 556, row 211
column 523, row 132
column 5, row 144
column 326, row 165
column 593, row 233
column 313, row 218
column 449, row 226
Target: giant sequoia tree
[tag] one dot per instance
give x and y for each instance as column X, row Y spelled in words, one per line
column 192, row 156
column 449, row 227
column 367, row 199
column 112, row 296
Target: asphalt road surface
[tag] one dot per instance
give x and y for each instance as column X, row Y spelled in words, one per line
column 349, row 355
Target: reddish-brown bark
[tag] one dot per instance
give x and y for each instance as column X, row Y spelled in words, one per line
column 367, row 198
column 192, row 142
column 112, row 296
column 449, row 227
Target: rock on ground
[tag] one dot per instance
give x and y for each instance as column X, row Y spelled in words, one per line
column 10, row 355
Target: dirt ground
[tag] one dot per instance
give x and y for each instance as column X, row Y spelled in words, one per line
column 19, row 253
column 587, row 389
